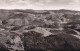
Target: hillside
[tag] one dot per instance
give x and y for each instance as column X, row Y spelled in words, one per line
column 44, row 30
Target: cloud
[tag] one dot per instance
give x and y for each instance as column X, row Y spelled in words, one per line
column 75, row 2
column 40, row 4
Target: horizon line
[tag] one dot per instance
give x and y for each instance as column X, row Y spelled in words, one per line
column 35, row 9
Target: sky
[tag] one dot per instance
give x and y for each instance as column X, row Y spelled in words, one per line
column 40, row 4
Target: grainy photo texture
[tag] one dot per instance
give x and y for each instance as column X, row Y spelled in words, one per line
column 39, row 25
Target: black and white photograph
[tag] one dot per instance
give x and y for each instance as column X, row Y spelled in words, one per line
column 39, row 25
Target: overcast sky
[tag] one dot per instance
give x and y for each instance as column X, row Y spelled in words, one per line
column 40, row 4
